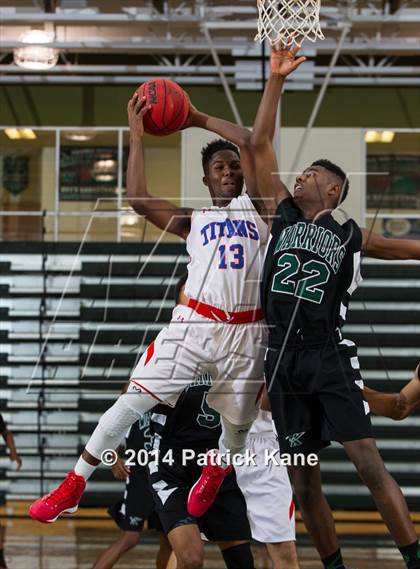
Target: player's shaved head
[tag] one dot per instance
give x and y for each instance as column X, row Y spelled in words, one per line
column 208, row 151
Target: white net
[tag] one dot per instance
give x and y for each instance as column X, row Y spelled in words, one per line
column 283, row 20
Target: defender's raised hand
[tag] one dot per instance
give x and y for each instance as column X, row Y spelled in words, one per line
column 137, row 107
column 284, row 60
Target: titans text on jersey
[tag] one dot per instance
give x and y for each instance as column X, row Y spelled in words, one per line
column 229, row 228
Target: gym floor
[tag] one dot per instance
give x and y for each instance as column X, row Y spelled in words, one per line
column 74, row 543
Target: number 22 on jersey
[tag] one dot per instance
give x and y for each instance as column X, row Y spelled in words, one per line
column 307, row 288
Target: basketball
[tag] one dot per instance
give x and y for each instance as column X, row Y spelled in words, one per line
column 169, row 106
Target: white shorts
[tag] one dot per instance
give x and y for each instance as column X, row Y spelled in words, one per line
column 192, row 345
column 268, row 493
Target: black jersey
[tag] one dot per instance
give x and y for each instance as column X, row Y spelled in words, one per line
column 310, row 271
column 192, row 423
column 140, row 435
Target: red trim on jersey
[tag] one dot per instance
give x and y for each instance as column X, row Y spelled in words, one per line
column 149, row 353
column 291, row 509
column 146, row 390
column 219, row 315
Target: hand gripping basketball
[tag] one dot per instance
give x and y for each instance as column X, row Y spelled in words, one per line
column 137, row 107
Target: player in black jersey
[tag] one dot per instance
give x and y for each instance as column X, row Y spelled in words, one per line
column 14, row 457
column 136, row 505
column 312, row 373
column 183, row 435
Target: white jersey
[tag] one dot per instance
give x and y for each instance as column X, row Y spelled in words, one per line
column 226, row 247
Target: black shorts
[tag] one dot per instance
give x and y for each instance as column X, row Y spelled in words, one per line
column 316, row 396
column 136, row 505
column 226, row 520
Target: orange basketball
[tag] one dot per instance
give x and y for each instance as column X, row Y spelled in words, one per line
column 169, row 106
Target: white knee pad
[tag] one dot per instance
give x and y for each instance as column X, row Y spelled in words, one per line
column 234, row 437
column 114, row 423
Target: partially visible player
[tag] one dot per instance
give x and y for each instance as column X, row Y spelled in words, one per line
column 268, row 493
column 315, row 387
column 14, row 457
column 396, row 406
column 183, row 435
column 220, row 332
column 136, row 506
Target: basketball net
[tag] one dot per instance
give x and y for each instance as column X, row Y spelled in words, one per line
column 288, row 20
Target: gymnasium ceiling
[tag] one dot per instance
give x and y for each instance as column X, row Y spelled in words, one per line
column 128, row 41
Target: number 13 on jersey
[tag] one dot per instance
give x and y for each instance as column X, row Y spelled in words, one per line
column 232, row 256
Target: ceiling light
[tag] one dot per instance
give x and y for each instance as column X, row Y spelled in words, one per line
column 104, row 177
column 105, row 169
column 79, row 136
column 105, row 164
column 379, row 136
column 12, row 133
column 387, row 136
column 36, row 55
column 372, row 136
column 20, row 133
column 36, row 36
column 27, row 133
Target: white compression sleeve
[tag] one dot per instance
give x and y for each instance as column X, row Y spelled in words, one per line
column 234, row 437
column 115, row 422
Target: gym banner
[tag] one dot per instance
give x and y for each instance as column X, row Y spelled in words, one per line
column 88, row 173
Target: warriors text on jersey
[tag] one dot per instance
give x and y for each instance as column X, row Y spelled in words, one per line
column 226, row 247
column 311, row 269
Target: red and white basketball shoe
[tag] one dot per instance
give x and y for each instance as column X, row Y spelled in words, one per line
column 63, row 500
column 203, row 494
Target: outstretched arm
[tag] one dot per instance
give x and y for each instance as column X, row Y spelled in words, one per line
column 162, row 213
column 397, row 406
column 270, row 186
column 374, row 245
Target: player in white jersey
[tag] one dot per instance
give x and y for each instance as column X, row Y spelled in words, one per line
column 221, row 331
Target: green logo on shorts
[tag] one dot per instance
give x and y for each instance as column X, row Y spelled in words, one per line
column 295, row 440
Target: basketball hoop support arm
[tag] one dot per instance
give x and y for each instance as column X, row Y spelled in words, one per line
column 318, row 101
column 228, row 91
